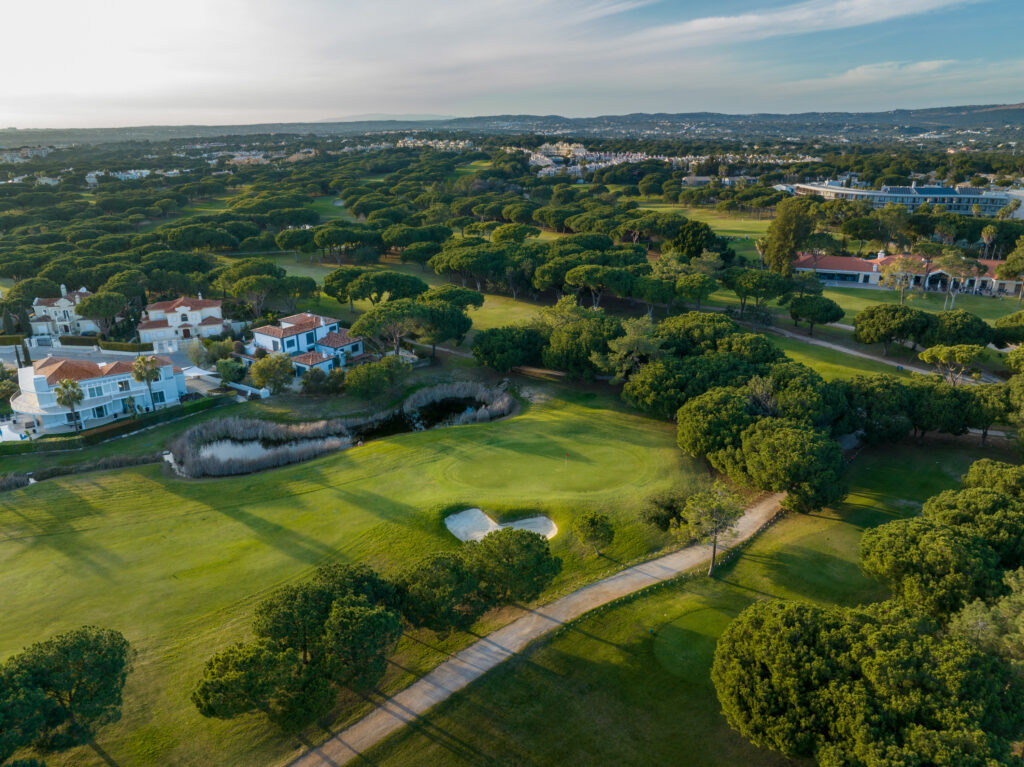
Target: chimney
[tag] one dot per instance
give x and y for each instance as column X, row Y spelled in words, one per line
column 63, row 289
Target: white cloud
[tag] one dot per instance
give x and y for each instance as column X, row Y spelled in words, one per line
column 137, row 61
column 796, row 19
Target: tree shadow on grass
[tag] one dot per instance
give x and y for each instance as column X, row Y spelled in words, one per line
column 289, row 542
column 61, row 522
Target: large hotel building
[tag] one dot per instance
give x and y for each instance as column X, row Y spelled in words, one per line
column 961, row 199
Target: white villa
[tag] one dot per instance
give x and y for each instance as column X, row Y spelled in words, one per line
column 109, row 389
column 167, row 322
column 57, row 316
column 310, row 340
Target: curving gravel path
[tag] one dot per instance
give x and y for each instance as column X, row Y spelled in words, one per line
column 484, row 654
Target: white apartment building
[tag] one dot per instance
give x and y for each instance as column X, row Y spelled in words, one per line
column 109, row 388
column 57, row 316
column 166, row 322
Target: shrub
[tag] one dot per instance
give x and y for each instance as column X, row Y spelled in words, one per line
column 117, row 346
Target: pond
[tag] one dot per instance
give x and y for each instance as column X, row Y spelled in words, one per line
column 447, row 412
column 229, row 449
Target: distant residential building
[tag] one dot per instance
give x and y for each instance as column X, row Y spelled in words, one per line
column 182, row 318
column 960, row 199
column 109, row 389
column 311, row 340
column 131, row 175
column 59, row 316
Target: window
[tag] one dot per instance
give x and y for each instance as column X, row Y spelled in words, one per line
column 99, row 412
column 72, row 417
column 158, row 397
column 289, row 344
column 124, row 385
column 95, row 391
column 274, row 344
column 310, row 338
column 184, row 317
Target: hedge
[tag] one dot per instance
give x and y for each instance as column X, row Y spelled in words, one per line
column 59, row 442
column 118, row 346
column 78, row 340
column 11, row 340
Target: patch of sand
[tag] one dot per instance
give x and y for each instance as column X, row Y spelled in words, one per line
column 473, row 524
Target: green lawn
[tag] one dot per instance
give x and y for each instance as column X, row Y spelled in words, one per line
column 855, row 299
column 831, row 364
column 328, row 210
column 178, row 565
column 631, row 685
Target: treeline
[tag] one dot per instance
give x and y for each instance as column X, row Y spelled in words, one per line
column 740, row 404
column 930, row 677
column 337, row 629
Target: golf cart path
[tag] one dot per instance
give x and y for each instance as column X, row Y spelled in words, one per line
column 847, row 350
column 472, row 662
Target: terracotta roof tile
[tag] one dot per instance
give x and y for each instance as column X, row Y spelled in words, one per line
column 192, row 303
column 58, row 368
column 338, row 340
column 311, row 358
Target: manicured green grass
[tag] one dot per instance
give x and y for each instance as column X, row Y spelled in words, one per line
column 328, row 210
column 631, row 685
column 177, row 565
column 831, row 364
column 854, row 300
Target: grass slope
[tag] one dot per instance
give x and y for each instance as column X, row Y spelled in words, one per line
column 631, row 685
column 178, row 565
column 854, row 300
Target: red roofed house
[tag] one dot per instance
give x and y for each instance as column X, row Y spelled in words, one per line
column 58, row 316
column 109, row 388
column 850, row 271
column 182, row 318
column 310, row 340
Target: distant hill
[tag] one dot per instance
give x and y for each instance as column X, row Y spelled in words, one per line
column 376, row 117
column 994, row 119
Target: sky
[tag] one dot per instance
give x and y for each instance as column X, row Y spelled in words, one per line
column 69, row 63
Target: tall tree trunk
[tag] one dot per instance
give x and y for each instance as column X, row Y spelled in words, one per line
column 714, row 553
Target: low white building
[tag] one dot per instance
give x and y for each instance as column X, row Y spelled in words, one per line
column 166, row 322
column 58, row 316
column 854, row 272
column 110, row 392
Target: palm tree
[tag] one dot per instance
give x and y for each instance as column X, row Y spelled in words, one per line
column 988, row 236
column 70, row 395
column 146, row 370
column 761, row 244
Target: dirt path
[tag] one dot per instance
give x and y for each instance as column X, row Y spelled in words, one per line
column 472, row 662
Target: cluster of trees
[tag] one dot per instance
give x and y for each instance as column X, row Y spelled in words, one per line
column 56, row 694
column 401, row 305
column 337, row 629
column 892, row 323
column 926, row 678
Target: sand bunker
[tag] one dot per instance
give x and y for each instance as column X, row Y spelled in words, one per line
column 473, row 524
